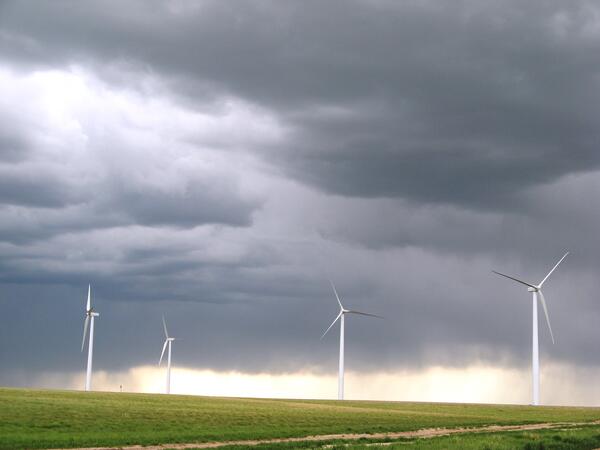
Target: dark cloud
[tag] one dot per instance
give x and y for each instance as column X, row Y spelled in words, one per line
column 232, row 319
column 32, row 190
column 217, row 162
column 483, row 99
column 103, row 163
column 12, row 146
column 199, row 202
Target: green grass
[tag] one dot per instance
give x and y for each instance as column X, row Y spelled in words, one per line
column 51, row 419
column 585, row 438
column 581, row 438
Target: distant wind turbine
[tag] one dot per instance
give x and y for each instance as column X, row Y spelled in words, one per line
column 536, row 289
column 340, row 316
column 90, row 314
column 168, row 341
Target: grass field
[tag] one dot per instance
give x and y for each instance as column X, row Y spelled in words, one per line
column 53, row 419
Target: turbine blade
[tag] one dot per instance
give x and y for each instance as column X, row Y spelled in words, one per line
column 332, row 324
column 553, row 269
column 336, row 295
column 364, row 314
column 543, row 300
column 165, row 326
column 515, row 279
column 85, row 328
column 89, row 300
column 163, row 352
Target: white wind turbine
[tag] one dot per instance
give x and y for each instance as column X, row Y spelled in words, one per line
column 168, row 341
column 340, row 316
column 535, row 357
column 90, row 314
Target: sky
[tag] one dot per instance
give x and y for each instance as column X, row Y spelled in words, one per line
column 218, row 162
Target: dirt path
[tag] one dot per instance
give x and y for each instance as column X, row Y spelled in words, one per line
column 424, row 433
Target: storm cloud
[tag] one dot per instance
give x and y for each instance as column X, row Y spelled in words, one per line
column 220, row 161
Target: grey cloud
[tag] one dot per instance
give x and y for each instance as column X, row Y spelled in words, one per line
column 83, row 177
column 421, row 146
column 39, row 209
column 38, row 190
column 24, row 224
column 12, row 146
column 230, row 320
column 485, row 99
column 201, row 202
column 551, row 219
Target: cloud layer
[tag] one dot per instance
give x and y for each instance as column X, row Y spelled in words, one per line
column 219, row 162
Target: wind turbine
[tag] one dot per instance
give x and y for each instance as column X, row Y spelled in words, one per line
column 536, row 290
column 90, row 314
column 340, row 316
column 168, row 341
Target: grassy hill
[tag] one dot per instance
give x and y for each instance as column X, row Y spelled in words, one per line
column 55, row 419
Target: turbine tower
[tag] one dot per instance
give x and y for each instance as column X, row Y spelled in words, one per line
column 340, row 316
column 536, row 290
column 90, row 314
column 168, row 341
